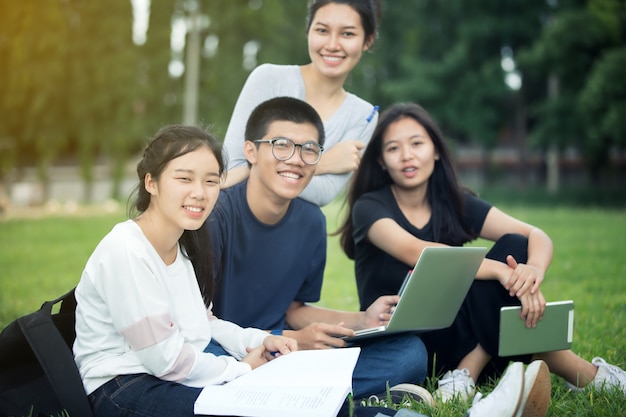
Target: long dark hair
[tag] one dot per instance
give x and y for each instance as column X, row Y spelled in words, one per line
column 444, row 194
column 169, row 143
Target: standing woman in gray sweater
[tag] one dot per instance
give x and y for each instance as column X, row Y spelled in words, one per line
column 338, row 32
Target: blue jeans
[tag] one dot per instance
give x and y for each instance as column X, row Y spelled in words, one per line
column 389, row 360
column 143, row 395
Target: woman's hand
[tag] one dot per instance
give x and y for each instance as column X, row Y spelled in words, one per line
column 341, row 158
column 533, row 306
column 524, row 278
column 279, row 345
column 255, row 357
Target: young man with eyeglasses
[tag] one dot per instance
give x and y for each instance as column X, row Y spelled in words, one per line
column 270, row 254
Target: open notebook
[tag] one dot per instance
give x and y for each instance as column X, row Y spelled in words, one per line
column 433, row 292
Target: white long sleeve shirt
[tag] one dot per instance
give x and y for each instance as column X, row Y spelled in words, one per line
column 137, row 315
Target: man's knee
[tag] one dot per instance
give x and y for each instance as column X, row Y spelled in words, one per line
column 410, row 358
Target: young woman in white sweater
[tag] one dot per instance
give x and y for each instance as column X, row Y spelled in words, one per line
column 144, row 338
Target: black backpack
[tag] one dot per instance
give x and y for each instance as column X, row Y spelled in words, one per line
column 38, row 375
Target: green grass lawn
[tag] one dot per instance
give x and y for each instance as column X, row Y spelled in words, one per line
column 41, row 258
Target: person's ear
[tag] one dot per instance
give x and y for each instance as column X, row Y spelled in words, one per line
column 368, row 43
column 150, row 184
column 249, row 151
column 382, row 165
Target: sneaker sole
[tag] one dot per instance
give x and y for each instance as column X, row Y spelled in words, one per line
column 515, row 367
column 414, row 391
column 538, row 400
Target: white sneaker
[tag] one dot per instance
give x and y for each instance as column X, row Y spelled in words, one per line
column 457, row 383
column 401, row 394
column 506, row 397
column 608, row 376
column 406, row 393
column 537, row 391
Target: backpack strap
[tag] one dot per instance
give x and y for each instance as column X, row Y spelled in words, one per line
column 55, row 357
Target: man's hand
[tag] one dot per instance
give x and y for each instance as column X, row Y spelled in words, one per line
column 320, row 336
column 380, row 311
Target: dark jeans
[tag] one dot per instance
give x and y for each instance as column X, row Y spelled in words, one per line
column 143, row 395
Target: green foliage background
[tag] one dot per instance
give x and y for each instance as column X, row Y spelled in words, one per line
column 75, row 89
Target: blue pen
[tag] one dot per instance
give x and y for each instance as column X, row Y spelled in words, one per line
column 369, row 119
column 371, row 116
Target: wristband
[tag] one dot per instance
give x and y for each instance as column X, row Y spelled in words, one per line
column 276, row 332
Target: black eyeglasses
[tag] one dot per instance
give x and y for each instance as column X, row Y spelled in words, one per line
column 284, row 148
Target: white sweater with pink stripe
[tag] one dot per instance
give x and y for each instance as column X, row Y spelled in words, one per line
column 137, row 315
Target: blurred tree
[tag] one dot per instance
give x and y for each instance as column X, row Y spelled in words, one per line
column 241, row 35
column 69, row 86
column 579, row 46
column 74, row 88
column 602, row 106
column 32, row 83
column 159, row 95
column 101, row 87
column 447, row 56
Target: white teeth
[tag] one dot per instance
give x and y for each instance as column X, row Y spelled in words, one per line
column 194, row 209
column 290, row 175
column 409, row 169
column 332, row 58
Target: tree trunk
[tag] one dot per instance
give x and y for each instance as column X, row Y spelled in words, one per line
column 552, row 157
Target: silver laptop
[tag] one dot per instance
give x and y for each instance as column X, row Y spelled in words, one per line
column 555, row 330
column 432, row 293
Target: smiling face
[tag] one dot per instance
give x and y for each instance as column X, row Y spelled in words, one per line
column 336, row 40
column 282, row 181
column 186, row 191
column 408, row 154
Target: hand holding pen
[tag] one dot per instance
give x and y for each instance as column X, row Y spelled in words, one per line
column 344, row 156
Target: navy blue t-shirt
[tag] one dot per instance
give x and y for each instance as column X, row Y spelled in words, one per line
column 377, row 272
column 261, row 269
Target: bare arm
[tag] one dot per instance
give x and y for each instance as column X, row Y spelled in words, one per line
column 523, row 277
column 522, row 280
column 318, row 327
column 390, row 237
